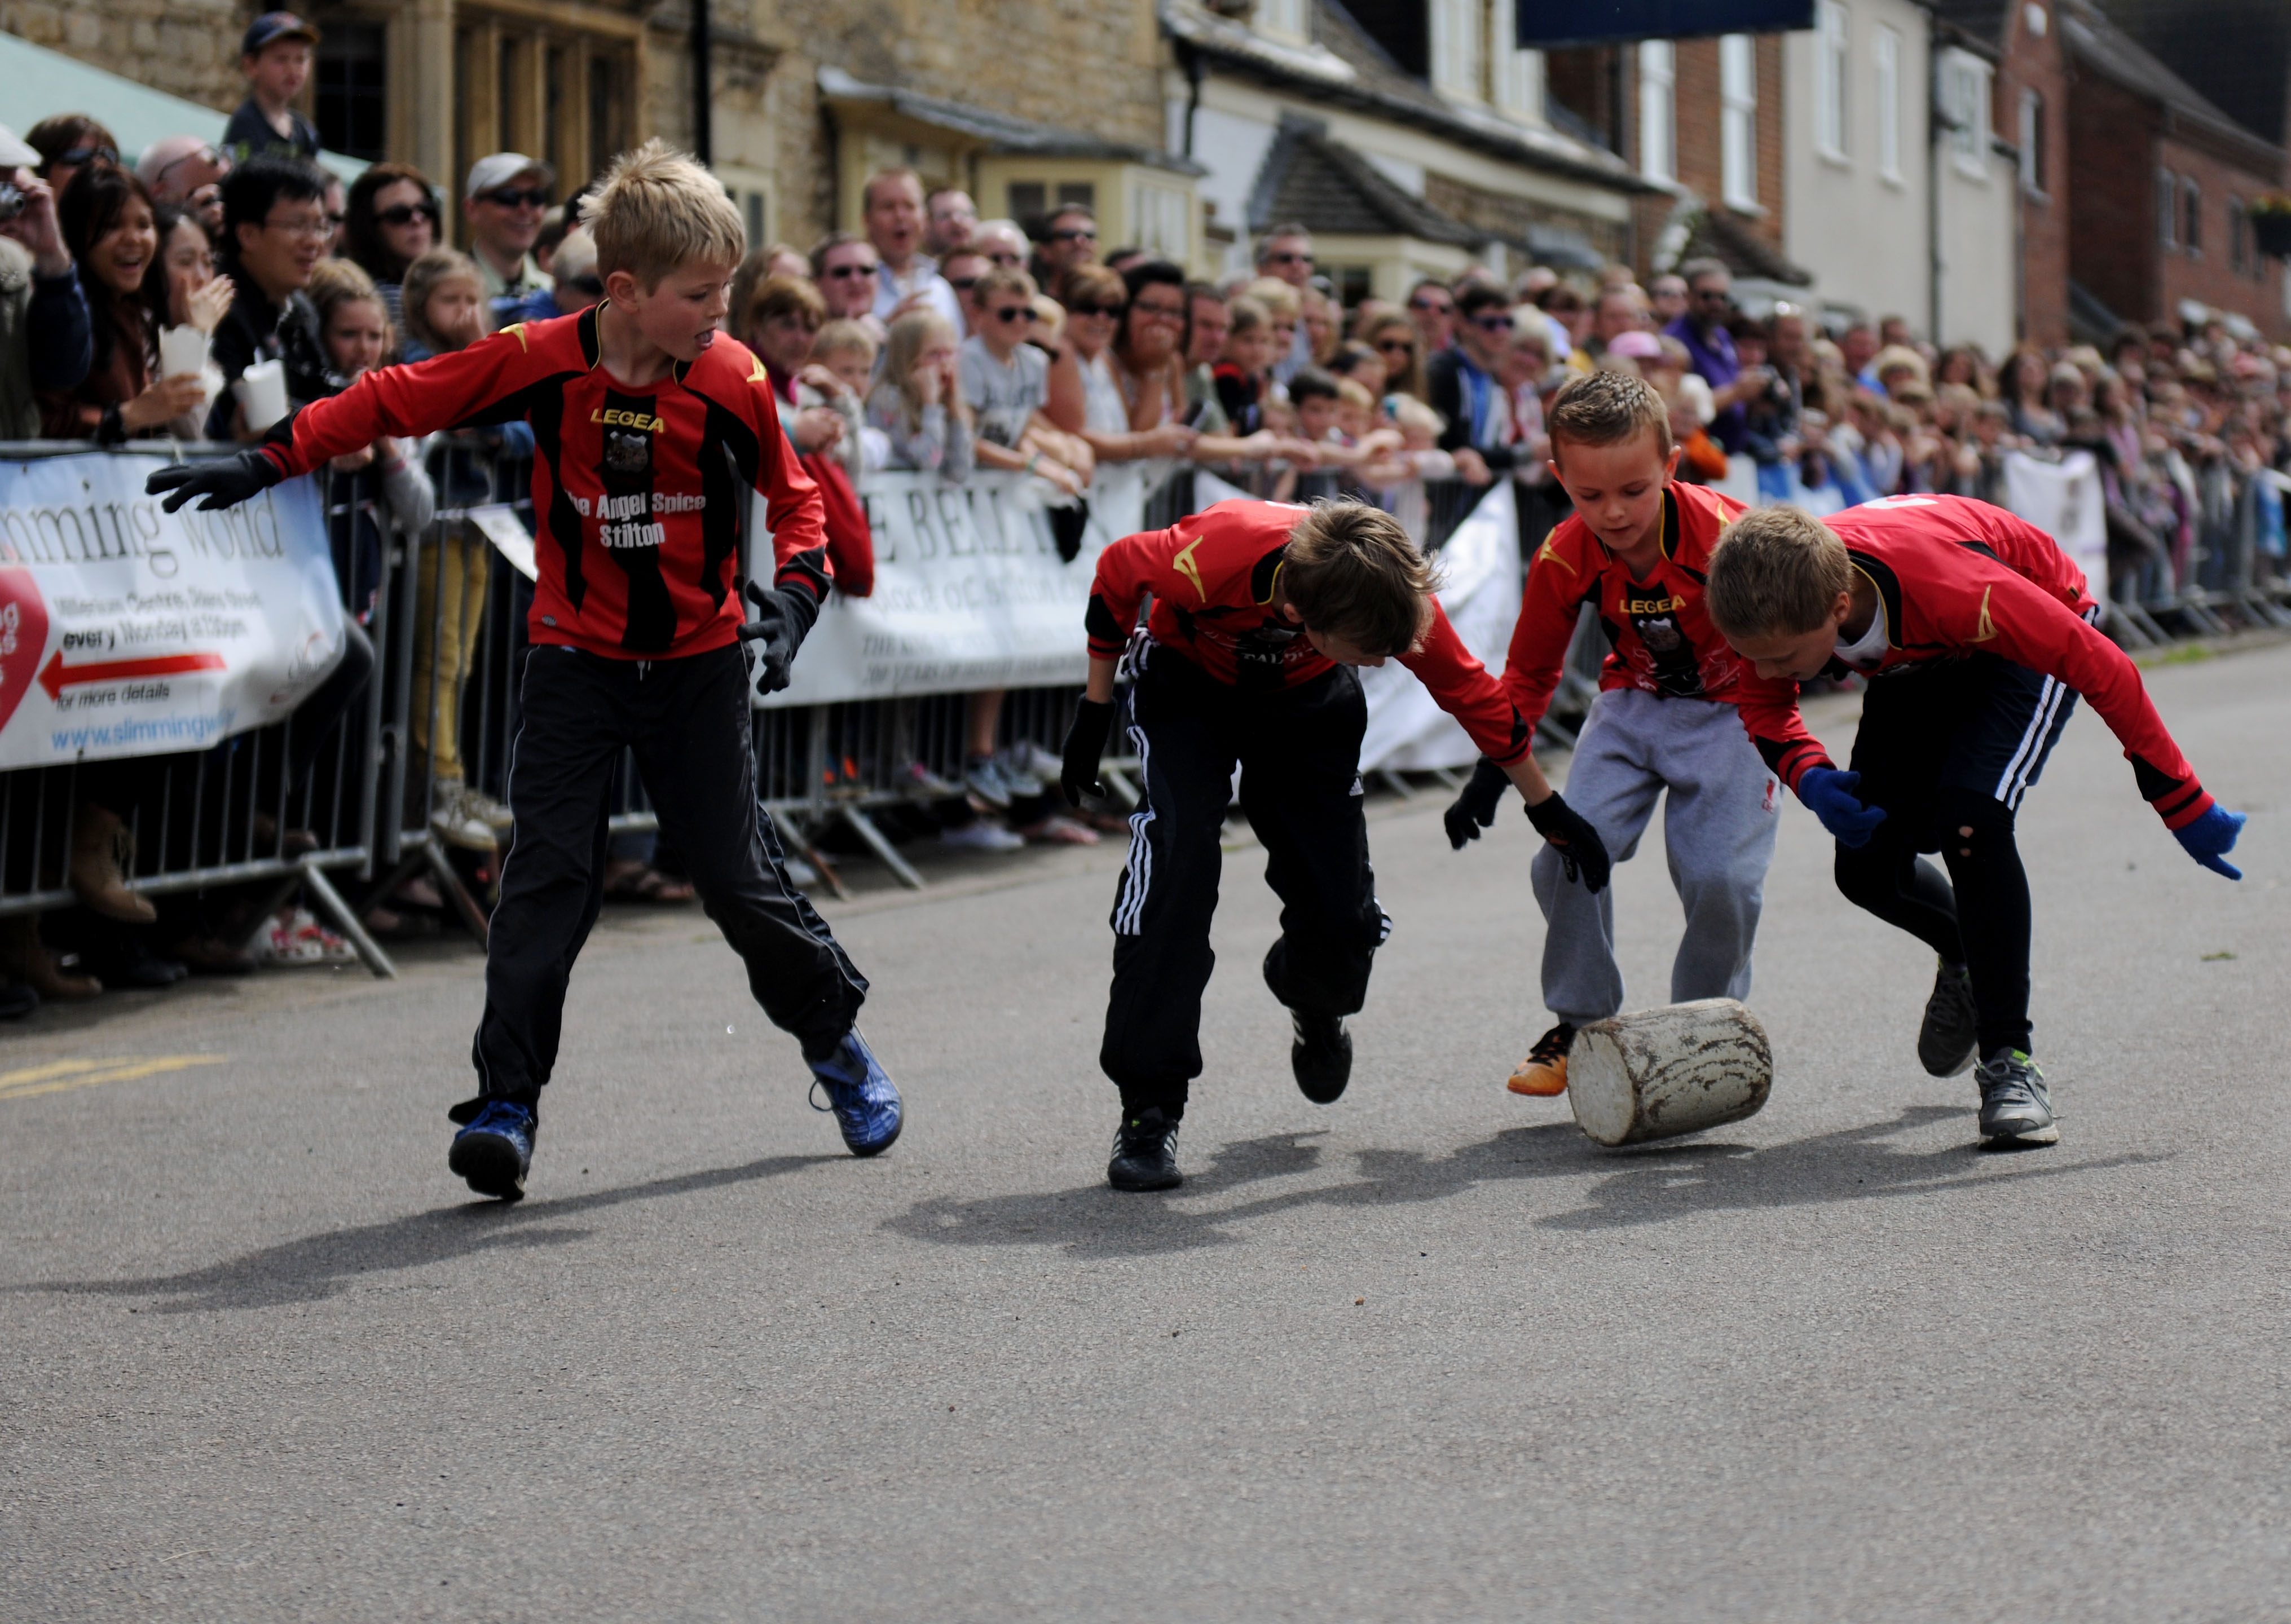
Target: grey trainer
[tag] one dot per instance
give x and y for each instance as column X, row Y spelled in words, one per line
column 2015, row 1108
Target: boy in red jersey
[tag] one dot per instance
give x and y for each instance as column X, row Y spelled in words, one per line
column 1260, row 610
column 1663, row 727
column 1977, row 633
column 651, row 427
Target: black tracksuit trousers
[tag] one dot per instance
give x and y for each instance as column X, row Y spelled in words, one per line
column 689, row 721
column 1949, row 750
column 1298, row 751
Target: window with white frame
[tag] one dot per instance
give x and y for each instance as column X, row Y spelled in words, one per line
column 1518, row 74
column 1282, row 17
column 1161, row 220
column 1737, row 120
column 2167, row 208
column 2191, row 213
column 1831, row 38
column 1658, row 110
column 1885, row 56
column 1456, row 48
column 1964, row 99
column 2031, row 134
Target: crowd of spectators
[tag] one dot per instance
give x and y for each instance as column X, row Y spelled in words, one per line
column 207, row 290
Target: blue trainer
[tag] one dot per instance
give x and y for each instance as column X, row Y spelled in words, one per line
column 495, row 1151
column 862, row 1094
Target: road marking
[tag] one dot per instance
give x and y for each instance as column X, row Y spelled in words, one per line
column 59, row 1075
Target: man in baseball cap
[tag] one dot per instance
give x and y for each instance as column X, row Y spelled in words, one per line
column 507, row 195
column 275, row 56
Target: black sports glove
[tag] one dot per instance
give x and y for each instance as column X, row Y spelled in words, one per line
column 782, row 622
column 224, row 481
column 1578, row 844
column 1477, row 808
column 1085, row 743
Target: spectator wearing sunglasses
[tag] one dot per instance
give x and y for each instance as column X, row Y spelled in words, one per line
column 1465, row 386
column 66, row 144
column 188, row 171
column 1432, row 306
column 892, row 206
column 1068, row 239
column 962, row 268
column 275, row 57
column 1710, row 347
column 1003, row 244
column 507, row 195
column 848, row 271
column 1285, row 255
column 394, row 220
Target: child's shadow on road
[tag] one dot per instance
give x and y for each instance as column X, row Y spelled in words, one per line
column 1652, row 1185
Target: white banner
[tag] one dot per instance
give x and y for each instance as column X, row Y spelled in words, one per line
column 1480, row 589
column 970, row 589
column 2064, row 499
column 126, row 630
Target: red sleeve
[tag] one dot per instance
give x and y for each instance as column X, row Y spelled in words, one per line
column 793, row 506
column 445, row 391
column 1565, row 573
column 850, row 540
column 1127, row 570
column 1467, row 692
column 2029, row 625
column 1770, row 716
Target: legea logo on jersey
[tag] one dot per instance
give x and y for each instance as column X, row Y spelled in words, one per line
column 618, row 417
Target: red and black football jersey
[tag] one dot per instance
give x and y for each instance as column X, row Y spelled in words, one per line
column 1660, row 638
column 1954, row 577
column 1215, row 578
column 639, row 495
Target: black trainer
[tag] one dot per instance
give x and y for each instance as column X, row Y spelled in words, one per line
column 1321, row 1056
column 1145, row 1152
column 2016, row 1107
column 1949, row 1040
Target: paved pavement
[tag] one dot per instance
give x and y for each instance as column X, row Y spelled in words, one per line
column 1428, row 1354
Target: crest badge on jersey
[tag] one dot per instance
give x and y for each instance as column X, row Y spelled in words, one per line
column 627, row 455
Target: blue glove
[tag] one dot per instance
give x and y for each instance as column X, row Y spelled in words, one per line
column 2211, row 837
column 1828, row 794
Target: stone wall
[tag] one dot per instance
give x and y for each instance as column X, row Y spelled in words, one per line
column 188, row 48
column 1092, row 66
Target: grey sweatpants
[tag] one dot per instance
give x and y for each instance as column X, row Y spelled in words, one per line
column 1717, row 830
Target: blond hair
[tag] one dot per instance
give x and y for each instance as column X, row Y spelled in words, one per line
column 1775, row 571
column 1352, row 572
column 903, row 347
column 1278, row 299
column 657, row 211
column 1354, row 394
column 1410, row 413
column 839, row 336
column 335, row 283
column 1606, row 408
column 1003, row 279
column 423, row 278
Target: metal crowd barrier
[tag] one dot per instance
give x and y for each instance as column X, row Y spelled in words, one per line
column 275, row 809
column 439, row 619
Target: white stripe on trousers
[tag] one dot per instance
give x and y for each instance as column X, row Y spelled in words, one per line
column 1137, row 875
column 2014, row 783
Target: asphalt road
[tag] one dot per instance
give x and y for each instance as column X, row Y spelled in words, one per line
column 1428, row 1354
